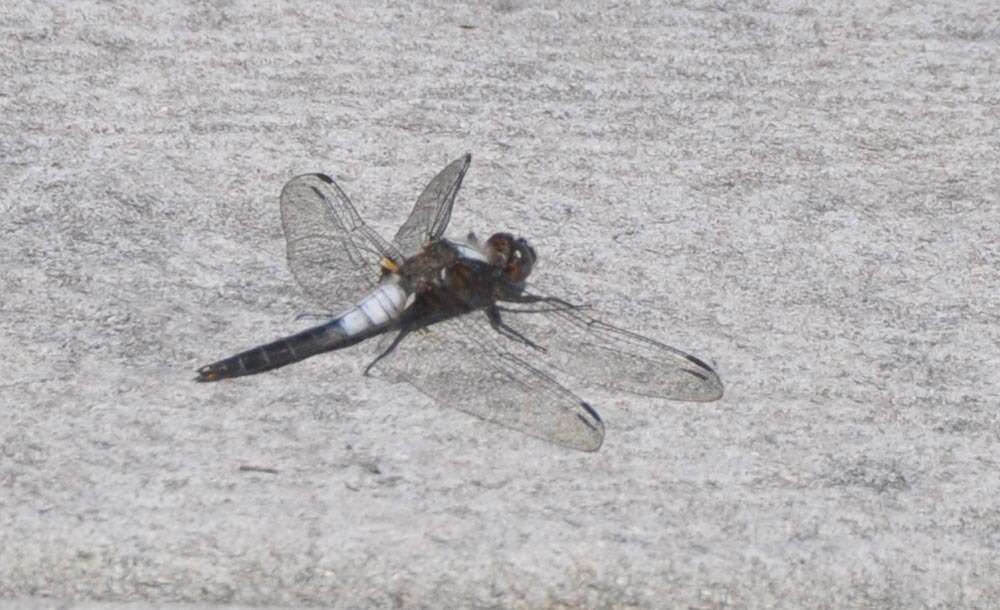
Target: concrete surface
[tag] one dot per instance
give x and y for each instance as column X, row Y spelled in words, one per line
column 805, row 196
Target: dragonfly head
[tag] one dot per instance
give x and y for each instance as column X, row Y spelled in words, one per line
column 513, row 255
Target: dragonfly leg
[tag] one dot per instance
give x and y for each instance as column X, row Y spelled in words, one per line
column 556, row 304
column 309, row 315
column 392, row 346
column 493, row 313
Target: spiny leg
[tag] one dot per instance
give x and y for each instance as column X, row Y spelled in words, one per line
column 392, row 346
column 309, row 315
column 556, row 302
column 493, row 313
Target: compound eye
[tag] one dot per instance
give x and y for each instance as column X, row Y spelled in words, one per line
column 500, row 246
column 501, row 242
column 522, row 261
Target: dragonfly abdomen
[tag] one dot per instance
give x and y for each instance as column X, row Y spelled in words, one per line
column 368, row 317
column 276, row 354
column 382, row 305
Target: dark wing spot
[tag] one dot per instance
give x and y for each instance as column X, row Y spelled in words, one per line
column 318, row 193
column 697, row 374
column 590, row 410
column 324, row 178
column 698, row 362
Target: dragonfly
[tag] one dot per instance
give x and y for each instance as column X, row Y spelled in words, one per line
column 457, row 319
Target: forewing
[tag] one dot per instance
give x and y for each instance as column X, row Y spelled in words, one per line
column 432, row 211
column 332, row 253
column 596, row 352
column 461, row 363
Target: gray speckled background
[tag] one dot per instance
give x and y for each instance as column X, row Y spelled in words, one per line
column 806, row 197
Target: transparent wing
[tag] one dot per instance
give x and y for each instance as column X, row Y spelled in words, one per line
column 332, row 253
column 462, row 363
column 596, row 352
column 432, row 211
